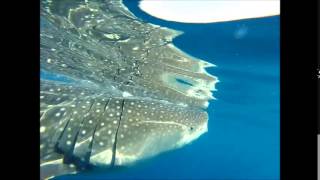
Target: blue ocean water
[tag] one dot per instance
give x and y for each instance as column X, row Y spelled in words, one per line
column 243, row 138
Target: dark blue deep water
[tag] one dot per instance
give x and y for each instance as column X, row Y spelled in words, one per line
column 243, row 135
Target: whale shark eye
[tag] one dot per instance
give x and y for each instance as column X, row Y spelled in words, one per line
column 191, row 128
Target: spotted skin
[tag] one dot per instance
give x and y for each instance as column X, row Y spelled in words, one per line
column 100, row 130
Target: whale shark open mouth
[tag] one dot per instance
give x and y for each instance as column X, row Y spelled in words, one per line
column 114, row 89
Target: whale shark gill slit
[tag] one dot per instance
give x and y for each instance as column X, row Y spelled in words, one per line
column 116, row 137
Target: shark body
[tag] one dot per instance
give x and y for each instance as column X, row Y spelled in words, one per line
column 131, row 94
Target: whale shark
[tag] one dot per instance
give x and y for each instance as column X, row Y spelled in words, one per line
column 114, row 89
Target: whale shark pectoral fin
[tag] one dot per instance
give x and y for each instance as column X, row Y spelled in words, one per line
column 55, row 168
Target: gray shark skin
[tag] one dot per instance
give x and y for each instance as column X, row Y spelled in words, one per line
column 132, row 94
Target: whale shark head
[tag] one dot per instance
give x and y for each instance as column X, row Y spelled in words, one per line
column 107, row 129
